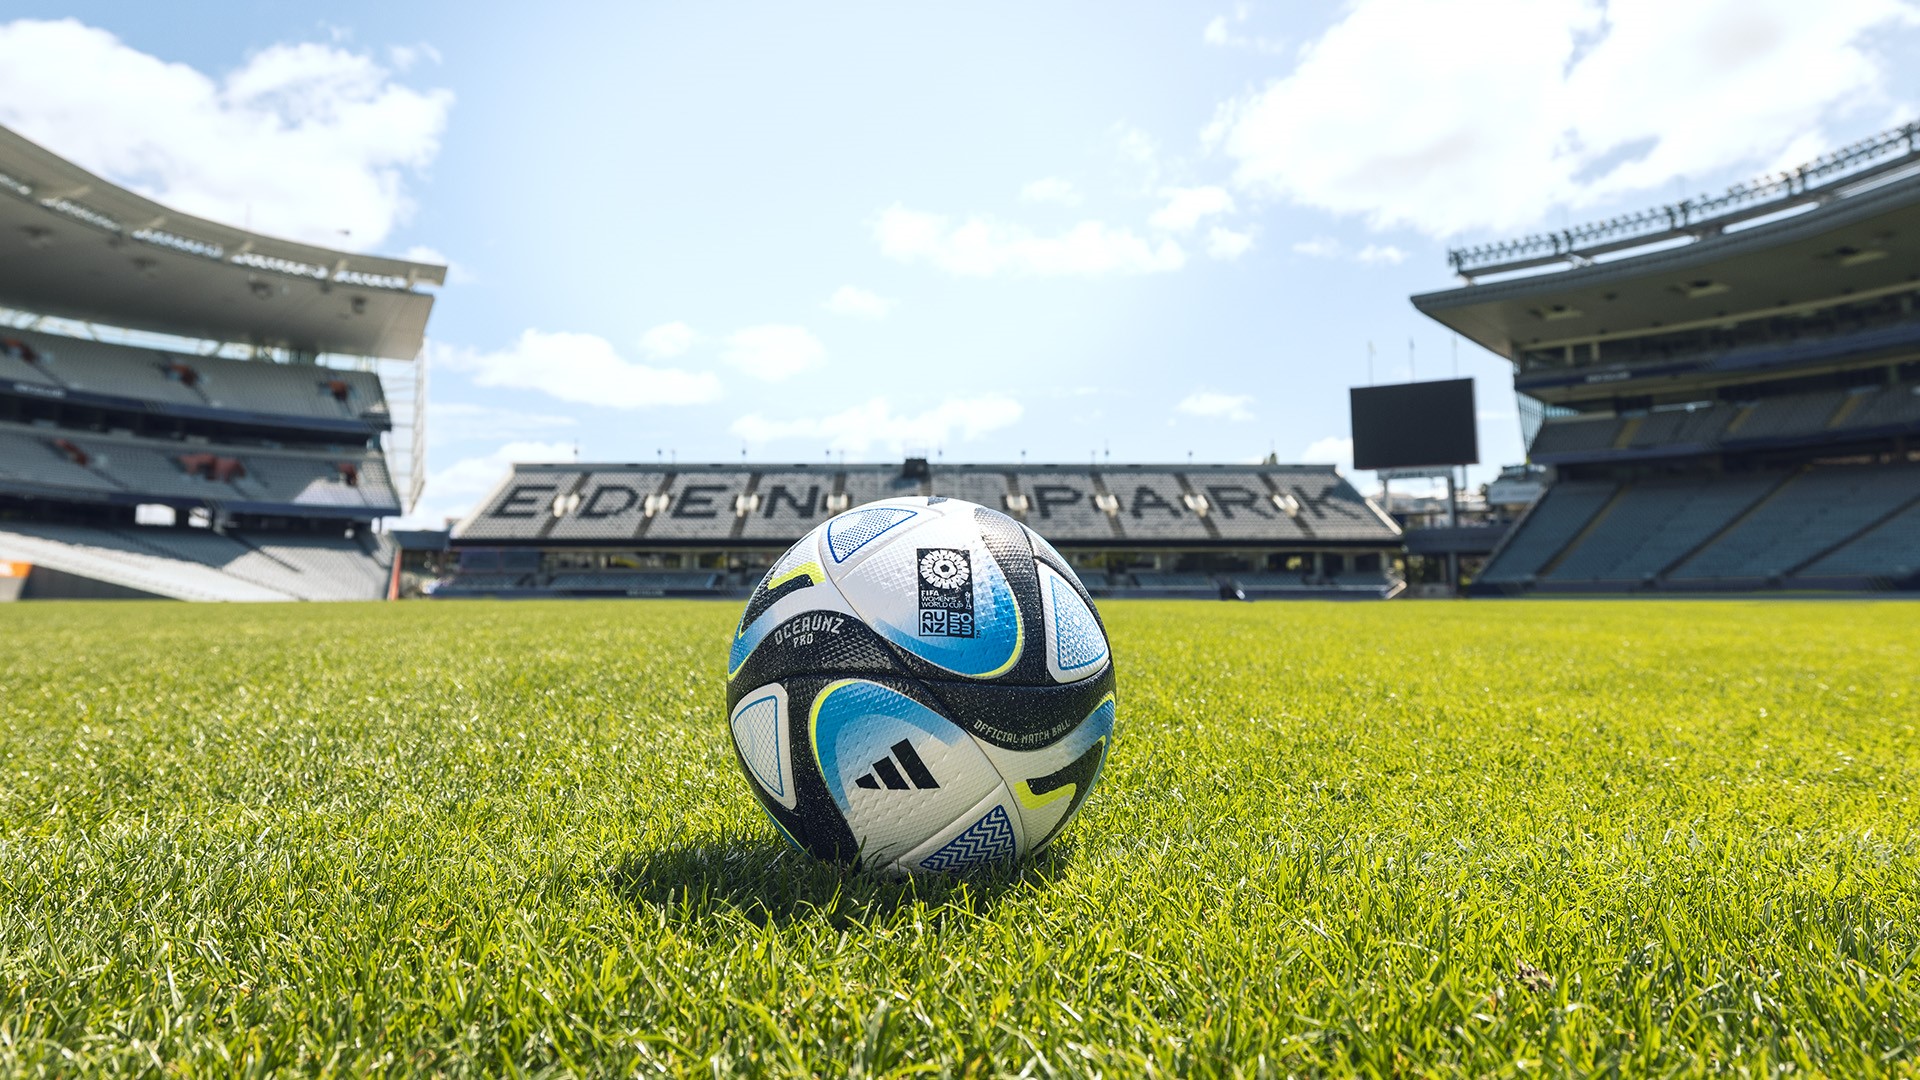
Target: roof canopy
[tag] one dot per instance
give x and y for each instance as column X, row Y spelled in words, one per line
column 75, row 246
column 1856, row 244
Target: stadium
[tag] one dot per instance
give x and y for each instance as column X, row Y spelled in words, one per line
column 1727, row 390
column 1130, row 530
column 192, row 411
column 1629, row 801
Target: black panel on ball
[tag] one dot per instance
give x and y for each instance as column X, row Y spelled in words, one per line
column 1020, row 717
column 832, row 644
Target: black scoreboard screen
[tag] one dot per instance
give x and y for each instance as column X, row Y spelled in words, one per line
column 1414, row 425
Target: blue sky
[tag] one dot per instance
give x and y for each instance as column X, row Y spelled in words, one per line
column 1066, row 229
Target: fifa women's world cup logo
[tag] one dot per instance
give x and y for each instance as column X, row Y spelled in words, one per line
column 946, row 593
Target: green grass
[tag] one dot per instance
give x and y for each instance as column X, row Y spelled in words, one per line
column 475, row 838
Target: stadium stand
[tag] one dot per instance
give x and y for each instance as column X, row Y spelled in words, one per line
column 167, row 424
column 1813, row 513
column 713, row 529
column 1883, row 552
column 1551, row 525
column 1726, row 392
column 1653, row 523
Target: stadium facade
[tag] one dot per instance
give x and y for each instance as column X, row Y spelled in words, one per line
column 1726, row 391
column 1166, row 530
column 190, row 410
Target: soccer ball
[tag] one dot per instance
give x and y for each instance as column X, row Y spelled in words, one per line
column 921, row 684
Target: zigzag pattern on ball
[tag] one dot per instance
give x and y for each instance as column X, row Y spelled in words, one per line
column 988, row 840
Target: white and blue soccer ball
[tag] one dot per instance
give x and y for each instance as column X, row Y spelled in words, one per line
column 921, row 684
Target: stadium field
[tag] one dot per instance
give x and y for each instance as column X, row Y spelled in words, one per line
column 1391, row 838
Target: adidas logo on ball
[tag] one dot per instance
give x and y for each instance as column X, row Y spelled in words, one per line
column 885, row 772
column 912, row 636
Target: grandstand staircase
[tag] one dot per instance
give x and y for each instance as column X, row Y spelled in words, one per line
column 1628, row 430
column 1737, row 521
column 1855, row 535
column 1547, row 568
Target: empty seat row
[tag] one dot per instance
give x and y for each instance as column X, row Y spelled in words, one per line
column 199, row 564
column 197, row 471
column 258, row 386
column 1732, row 423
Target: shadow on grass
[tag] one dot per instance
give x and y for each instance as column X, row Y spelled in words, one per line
column 766, row 881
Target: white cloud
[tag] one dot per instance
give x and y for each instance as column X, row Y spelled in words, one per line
column 1227, row 244
column 403, row 57
column 668, row 339
column 984, row 247
column 1213, row 404
column 310, row 142
column 452, row 492
column 858, row 303
column 583, row 368
column 1453, row 115
column 875, row 425
column 1220, row 32
column 1050, row 189
column 1187, row 206
column 774, row 353
column 459, row 421
column 1326, row 247
column 1332, row 450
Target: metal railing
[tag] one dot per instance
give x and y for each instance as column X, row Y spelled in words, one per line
column 1699, row 216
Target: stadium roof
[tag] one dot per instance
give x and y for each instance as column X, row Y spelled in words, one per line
column 1846, row 227
column 78, row 247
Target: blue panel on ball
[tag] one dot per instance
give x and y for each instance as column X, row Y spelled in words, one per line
column 850, row 532
column 997, row 630
column 749, row 639
column 854, row 722
column 1076, row 634
column 985, row 841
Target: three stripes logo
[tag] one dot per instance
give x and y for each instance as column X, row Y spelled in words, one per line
column 885, row 773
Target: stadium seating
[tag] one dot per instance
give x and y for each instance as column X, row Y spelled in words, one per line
column 465, row 584
column 1811, row 514
column 199, row 564
column 1887, row 551
column 257, row 386
column 1554, row 521
column 158, row 467
column 636, row 581
column 1656, row 522
column 1897, row 405
column 1697, row 426
column 1778, row 417
column 1730, row 425
column 1572, row 435
column 700, row 506
column 32, row 459
column 1157, row 581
